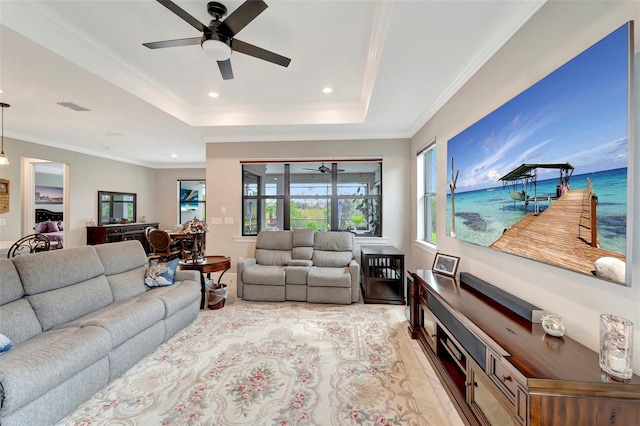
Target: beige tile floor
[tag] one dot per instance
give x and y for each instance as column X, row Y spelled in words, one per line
column 445, row 401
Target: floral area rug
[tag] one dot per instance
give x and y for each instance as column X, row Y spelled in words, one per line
column 275, row 364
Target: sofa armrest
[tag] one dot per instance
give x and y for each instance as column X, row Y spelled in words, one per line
column 354, row 269
column 183, row 275
column 242, row 264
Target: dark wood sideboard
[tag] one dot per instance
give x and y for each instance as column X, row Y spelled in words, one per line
column 500, row 368
column 120, row 232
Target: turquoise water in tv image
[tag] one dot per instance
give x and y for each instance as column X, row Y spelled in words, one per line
column 482, row 215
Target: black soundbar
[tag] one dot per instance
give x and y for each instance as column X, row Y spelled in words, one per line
column 520, row 307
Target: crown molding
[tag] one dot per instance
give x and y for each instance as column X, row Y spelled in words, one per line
column 522, row 14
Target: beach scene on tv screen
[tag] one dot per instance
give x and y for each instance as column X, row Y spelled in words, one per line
column 551, row 152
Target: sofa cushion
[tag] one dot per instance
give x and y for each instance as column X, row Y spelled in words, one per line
column 58, row 268
column 328, row 277
column 160, row 274
column 121, row 256
column 11, row 285
column 303, row 237
column 296, row 274
column 332, row 259
column 128, row 284
column 332, row 249
column 299, row 262
column 274, row 240
column 123, row 319
column 333, row 241
column 66, row 304
column 272, row 257
column 124, row 265
column 34, row 367
column 302, row 253
column 65, row 285
column 267, row 275
column 18, row 321
column 175, row 297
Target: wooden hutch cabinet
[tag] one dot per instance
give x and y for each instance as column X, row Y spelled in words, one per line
column 500, row 368
column 120, row 232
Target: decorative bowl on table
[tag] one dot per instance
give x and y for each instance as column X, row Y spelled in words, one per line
column 552, row 325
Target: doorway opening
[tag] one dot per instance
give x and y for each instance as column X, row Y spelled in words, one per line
column 44, row 193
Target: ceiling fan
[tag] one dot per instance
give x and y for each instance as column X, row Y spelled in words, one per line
column 323, row 169
column 217, row 38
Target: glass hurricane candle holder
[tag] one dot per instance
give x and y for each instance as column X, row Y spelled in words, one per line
column 616, row 346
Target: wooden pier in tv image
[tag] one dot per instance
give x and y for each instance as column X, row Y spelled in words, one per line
column 564, row 234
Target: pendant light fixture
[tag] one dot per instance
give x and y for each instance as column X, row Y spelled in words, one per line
column 3, row 158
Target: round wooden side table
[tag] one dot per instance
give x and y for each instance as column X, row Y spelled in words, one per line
column 207, row 266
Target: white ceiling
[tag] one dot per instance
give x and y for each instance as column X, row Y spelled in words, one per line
column 391, row 64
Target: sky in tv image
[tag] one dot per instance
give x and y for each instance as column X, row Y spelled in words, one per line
column 579, row 115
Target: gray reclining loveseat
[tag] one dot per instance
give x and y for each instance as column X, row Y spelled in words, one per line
column 78, row 318
column 301, row 265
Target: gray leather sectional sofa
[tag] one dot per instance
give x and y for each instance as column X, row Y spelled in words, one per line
column 78, row 318
column 301, row 265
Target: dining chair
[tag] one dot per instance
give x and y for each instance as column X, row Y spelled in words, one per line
column 162, row 245
column 32, row 243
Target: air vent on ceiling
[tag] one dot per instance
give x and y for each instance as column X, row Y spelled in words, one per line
column 73, row 106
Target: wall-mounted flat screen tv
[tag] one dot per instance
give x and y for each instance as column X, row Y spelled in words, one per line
column 545, row 176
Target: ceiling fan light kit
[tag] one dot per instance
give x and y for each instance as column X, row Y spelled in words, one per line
column 217, row 39
column 217, row 49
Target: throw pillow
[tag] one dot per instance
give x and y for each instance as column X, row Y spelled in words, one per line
column 52, row 226
column 161, row 274
column 60, row 225
column 41, row 227
column 5, row 343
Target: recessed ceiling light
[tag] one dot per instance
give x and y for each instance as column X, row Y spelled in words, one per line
column 213, row 94
column 174, row 155
column 327, row 90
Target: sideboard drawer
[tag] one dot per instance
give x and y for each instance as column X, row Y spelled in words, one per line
column 502, row 375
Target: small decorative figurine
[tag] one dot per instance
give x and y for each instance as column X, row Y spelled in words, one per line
column 552, row 325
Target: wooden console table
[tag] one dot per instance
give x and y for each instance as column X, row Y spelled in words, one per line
column 502, row 369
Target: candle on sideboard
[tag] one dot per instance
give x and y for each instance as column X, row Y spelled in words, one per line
column 618, row 364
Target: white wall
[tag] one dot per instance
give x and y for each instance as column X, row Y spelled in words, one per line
column 224, row 185
column 557, row 33
column 87, row 175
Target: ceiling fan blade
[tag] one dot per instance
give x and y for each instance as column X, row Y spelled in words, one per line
column 184, row 15
column 239, row 18
column 173, row 43
column 225, row 69
column 258, row 52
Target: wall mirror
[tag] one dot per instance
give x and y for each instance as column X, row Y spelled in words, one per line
column 116, row 207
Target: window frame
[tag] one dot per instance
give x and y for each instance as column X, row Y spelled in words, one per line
column 428, row 156
column 201, row 202
column 333, row 198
